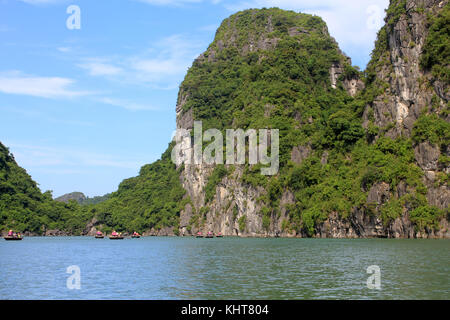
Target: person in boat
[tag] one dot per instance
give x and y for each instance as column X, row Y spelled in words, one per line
column 114, row 233
column 99, row 233
column 10, row 233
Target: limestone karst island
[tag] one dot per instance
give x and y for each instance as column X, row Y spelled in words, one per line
column 362, row 153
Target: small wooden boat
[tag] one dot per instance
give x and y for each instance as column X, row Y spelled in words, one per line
column 12, row 238
column 115, row 237
column 199, row 235
column 136, row 237
column 99, row 235
column 219, row 235
column 209, row 235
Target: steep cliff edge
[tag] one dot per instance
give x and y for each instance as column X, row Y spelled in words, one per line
column 410, row 64
column 360, row 155
column 398, row 66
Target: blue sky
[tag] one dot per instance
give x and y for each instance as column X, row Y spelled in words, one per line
column 83, row 109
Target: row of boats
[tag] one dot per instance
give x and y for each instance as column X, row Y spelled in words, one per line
column 12, row 236
column 208, row 235
column 116, row 236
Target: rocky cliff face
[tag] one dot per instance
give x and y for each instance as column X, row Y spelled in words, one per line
column 408, row 91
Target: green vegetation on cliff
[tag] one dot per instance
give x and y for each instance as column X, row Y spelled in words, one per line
column 433, row 129
column 436, row 51
column 275, row 86
column 23, row 207
column 153, row 199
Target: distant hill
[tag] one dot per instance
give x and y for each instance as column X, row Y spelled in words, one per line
column 82, row 199
column 77, row 196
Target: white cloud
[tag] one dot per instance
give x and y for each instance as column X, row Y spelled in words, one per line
column 64, row 49
column 44, row 87
column 161, row 66
column 166, row 63
column 158, row 66
column 100, row 69
column 36, row 156
column 127, row 104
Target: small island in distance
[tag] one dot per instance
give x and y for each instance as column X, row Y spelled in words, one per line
column 80, row 198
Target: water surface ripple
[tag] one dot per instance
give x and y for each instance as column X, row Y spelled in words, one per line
column 223, row 268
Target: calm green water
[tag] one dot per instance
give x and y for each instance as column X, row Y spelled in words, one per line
column 227, row 268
